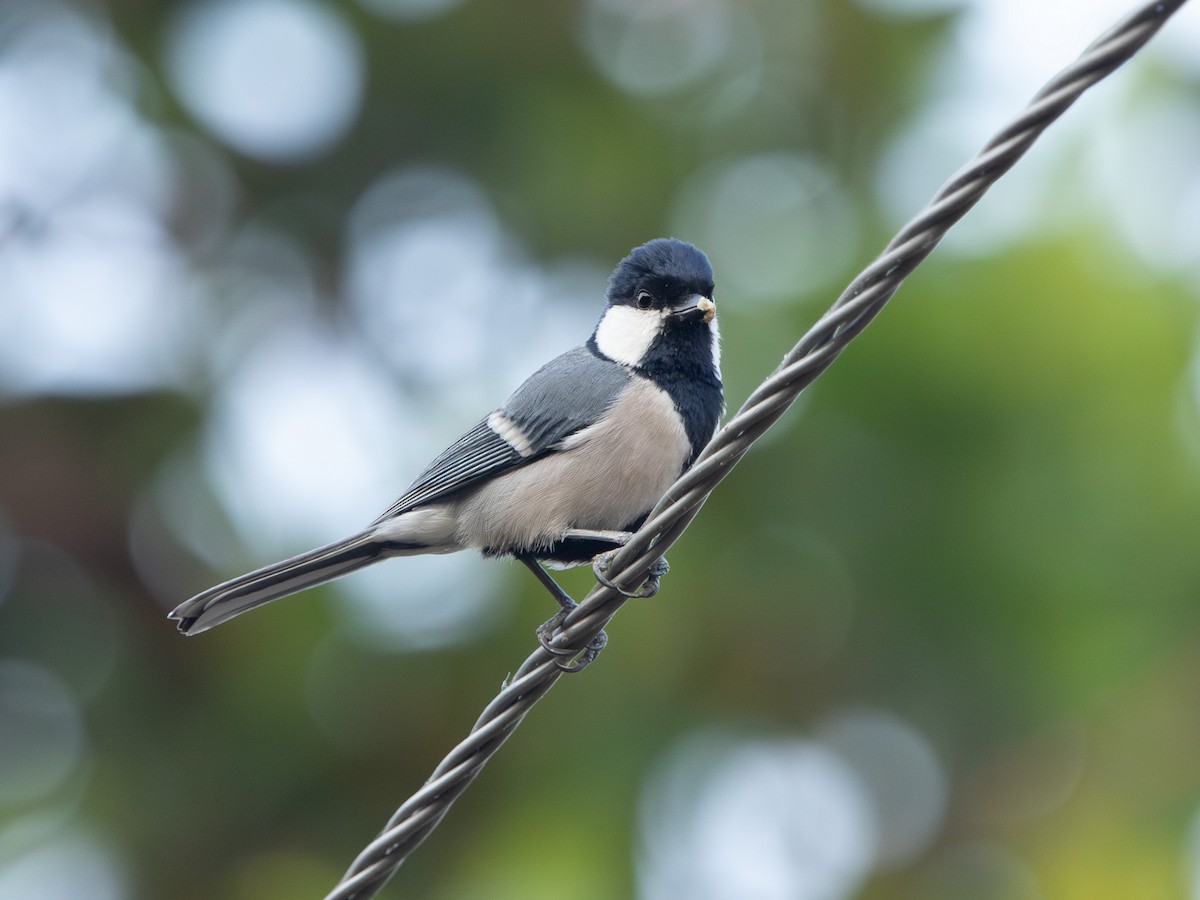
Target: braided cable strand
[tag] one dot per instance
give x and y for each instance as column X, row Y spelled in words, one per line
column 815, row 352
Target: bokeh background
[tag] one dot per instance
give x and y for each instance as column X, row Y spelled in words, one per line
column 938, row 637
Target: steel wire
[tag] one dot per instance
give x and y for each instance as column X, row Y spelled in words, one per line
column 816, row 351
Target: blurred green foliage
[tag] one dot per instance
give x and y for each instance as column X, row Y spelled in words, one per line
column 983, row 520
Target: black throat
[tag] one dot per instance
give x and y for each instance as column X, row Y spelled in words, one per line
column 681, row 363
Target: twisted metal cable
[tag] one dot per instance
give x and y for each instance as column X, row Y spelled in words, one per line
column 815, row 352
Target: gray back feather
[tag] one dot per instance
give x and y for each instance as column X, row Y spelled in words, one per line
column 567, row 394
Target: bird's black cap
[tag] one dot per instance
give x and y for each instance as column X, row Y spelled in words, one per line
column 666, row 267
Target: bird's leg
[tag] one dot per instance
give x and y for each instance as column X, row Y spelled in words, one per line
column 547, row 629
column 620, row 538
column 649, row 587
column 600, row 563
column 561, row 597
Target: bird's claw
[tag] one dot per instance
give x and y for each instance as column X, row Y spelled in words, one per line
column 569, row 661
column 649, row 587
column 549, row 628
column 586, row 657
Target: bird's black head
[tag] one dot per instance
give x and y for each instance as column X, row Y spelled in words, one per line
column 660, row 273
column 660, row 300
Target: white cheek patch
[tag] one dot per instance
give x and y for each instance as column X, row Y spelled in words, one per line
column 625, row 334
column 510, row 432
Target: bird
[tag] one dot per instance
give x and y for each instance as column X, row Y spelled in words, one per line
column 567, row 468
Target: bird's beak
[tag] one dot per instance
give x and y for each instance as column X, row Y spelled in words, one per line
column 696, row 304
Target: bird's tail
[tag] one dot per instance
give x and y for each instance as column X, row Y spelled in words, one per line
column 223, row 602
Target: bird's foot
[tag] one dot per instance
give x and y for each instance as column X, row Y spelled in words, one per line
column 649, row 587
column 569, row 660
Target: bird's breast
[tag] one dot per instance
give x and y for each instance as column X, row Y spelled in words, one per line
column 602, row 477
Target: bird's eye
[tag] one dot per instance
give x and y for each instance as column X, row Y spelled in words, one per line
column 644, row 299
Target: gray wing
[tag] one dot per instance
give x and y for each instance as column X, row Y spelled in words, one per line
column 564, row 396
